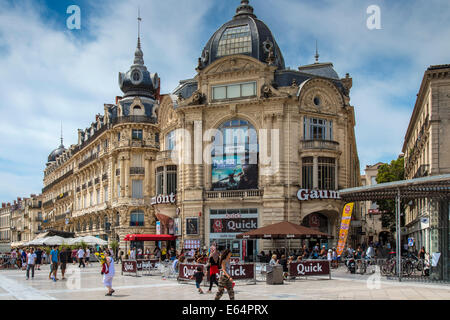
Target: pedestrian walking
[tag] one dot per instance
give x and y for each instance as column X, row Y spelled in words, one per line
column 31, row 261
column 38, row 253
column 44, row 257
column 213, row 268
column 108, row 272
column 54, row 258
column 225, row 280
column 198, row 275
column 87, row 256
column 74, row 256
column 23, row 254
column 81, row 254
column 63, row 259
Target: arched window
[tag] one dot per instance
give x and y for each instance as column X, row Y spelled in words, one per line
column 235, row 157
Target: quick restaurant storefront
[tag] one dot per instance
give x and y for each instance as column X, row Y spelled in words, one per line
column 226, row 224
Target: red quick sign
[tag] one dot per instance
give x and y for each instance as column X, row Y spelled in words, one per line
column 188, row 270
column 309, row 268
column 129, row 266
column 242, row 271
column 146, row 264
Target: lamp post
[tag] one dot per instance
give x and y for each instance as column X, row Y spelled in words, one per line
column 398, row 244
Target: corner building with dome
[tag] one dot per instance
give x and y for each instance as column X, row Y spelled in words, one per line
column 245, row 143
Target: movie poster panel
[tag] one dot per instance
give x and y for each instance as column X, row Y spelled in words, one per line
column 192, row 226
column 232, row 172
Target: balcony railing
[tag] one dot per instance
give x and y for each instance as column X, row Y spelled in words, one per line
column 89, row 184
column 48, row 203
column 88, row 160
column 67, row 174
column 104, row 177
column 60, row 217
column 234, row 194
column 137, row 170
column 319, row 144
column 97, row 181
column 133, row 119
column 165, row 155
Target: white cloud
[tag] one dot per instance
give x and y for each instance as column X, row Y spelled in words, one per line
column 49, row 76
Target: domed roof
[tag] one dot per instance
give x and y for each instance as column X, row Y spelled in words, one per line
column 56, row 153
column 138, row 81
column 245, row 34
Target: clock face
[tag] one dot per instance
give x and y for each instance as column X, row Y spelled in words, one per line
column 136, row 76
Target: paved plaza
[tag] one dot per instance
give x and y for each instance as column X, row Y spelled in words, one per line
column 86, row 284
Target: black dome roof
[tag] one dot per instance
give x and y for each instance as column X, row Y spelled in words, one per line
column 56, row 153
column 244, row 24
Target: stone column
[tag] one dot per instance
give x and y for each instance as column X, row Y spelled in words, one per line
column 268, row 179
column 189, row 172
column 280, row 149
column 315, row 172
column 147, row 182
column 112, row 179
column 127, row 178
column 122, row 176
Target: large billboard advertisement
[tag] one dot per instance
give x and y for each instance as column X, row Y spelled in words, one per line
column 232, row 172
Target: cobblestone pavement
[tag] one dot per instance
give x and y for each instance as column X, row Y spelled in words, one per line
column 86, row 284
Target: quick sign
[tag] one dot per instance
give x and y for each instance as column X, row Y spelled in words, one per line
column 309, row 268
column 188, row 270
column 129, row 266
column 146, row 264
column 233, row 225
column 306, row 195
column 164, row 199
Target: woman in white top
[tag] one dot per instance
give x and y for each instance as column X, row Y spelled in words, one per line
column 273, row 261
column 108, row 277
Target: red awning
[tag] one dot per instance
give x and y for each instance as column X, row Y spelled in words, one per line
column 149, row 237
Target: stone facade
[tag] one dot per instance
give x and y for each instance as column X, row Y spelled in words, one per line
column 427, row 152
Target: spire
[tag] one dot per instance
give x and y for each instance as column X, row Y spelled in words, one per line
column 139, row 55
column 317, row 53
column 244, row 10
column 62, row 144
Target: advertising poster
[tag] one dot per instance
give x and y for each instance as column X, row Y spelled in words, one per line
column 177, row 226
column 231, row 172
column 158, row 227
column 345, row 224
column 192, row 226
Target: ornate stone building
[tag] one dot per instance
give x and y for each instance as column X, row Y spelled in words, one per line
column 427, row 153
column 226, row 152
column 5, row 227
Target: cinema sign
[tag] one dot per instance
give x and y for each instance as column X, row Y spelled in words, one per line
column 306, row 194
column 164, row 199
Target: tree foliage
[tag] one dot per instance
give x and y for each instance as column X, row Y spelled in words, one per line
column 394, row 171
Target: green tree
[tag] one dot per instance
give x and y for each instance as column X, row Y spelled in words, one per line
column 394, row 171
column 114, row 245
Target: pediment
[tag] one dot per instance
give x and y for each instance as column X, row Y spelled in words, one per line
column 235, row 63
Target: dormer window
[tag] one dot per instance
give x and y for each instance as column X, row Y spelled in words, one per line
column 235, row 40
column 233, row 91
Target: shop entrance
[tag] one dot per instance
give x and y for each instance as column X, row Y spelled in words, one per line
column 243, row 249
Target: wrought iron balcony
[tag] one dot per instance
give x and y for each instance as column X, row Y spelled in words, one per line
column 133, row 119
column 66, row 175
column 88, row 160
column 319, row 144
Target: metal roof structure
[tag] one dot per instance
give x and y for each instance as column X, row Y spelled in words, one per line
column 428, row 187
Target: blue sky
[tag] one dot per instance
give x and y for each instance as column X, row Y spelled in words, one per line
column 49, row 74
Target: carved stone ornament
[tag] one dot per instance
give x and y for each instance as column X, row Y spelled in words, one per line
column 198, row 98
column 266, row 92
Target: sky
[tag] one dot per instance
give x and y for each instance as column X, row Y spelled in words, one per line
column 51, row 75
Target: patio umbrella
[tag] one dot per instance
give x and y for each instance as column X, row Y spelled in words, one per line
column 55, row 241
column 89, row 240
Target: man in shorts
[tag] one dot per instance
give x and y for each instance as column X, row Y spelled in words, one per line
column 63, row 259
column 87, row 256
column 54, row 259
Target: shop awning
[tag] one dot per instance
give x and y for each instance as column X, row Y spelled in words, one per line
column 149, row 237
column 283, row 230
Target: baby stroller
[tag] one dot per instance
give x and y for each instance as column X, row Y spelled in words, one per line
column 351, row 265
